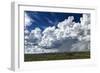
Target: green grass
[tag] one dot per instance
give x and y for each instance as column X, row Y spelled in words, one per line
column 56, row 56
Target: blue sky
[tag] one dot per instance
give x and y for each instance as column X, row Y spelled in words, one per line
column 45, row 19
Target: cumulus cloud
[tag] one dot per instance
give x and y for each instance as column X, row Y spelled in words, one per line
column 67, row 36
column 48, row 37
column 35, row 36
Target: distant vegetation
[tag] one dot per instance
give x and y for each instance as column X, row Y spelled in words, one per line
column 56, row 56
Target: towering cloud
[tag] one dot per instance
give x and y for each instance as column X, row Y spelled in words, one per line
column 67, row 36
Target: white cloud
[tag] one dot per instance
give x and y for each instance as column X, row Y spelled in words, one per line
column 26, row 32
column 35, row 36
column 48, row 37
column 85, row 20
column 53, row 37
column 68, row 36
column 67, row 22
column 28, row 20
column 26, row 37
column 36, row 33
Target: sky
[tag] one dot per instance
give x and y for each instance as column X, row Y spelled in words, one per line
column 45, row 19
column 47, row 32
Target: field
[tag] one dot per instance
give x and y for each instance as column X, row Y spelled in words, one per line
column 56, row 56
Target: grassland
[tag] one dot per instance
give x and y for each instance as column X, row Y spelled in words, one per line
column 56, row 56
